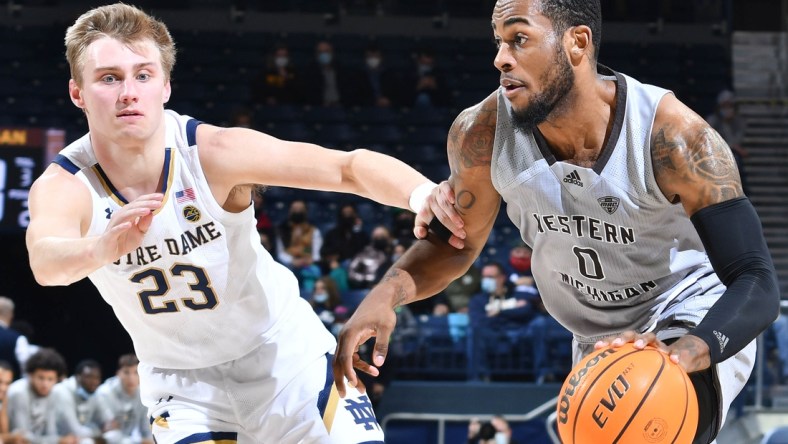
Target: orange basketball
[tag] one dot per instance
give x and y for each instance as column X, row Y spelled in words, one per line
column 625, row 395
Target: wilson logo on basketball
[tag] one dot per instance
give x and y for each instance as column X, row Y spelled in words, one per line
column 617, row 390
column 655, row 430
column 574, row 381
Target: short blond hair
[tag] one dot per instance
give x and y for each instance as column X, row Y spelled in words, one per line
column 122, row 22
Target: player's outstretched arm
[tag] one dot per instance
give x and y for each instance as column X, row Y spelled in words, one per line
column 430, row 264
column 237, row 156
column 60, row 215
column 694, row 166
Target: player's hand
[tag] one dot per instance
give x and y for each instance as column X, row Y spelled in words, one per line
column 127, row 227
column 690, row 352
column 440, row 204
column 374, row 317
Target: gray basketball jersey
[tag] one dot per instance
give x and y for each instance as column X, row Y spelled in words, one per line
column 610, row 252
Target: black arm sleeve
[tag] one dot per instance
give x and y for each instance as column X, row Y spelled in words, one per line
column 440, row 230
column 732, row 235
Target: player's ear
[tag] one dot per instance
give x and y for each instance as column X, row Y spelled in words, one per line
column 581, row 42
column 75, row 93
column 167, row 91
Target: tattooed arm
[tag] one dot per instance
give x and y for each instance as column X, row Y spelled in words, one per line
column 692, row 163
column 695, row 167
column 430, row 264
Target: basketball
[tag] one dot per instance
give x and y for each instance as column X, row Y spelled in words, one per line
column 625, row 395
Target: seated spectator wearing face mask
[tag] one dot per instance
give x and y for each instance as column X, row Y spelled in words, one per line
column 367, row 267
column 278, row 83
column 521, row 276
column 377, row 83
column 327, row 303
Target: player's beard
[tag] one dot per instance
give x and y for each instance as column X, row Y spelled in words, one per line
column 559, row 80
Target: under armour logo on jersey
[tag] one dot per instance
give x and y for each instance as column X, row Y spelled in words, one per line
column 109, row 212
column 362, row 412
column 609, row 203
column 169, row 398
column 573, row 178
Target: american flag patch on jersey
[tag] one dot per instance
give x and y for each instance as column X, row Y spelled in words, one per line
column 186, row 195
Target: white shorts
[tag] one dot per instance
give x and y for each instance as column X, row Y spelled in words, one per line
column 243, row 402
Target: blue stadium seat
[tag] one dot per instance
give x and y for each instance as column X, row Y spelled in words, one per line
column 279, row 113
column 428, row 135
column 388, row 134
column 445, row 354
column 374, row 115
column 427, row 116
column 324, row 115
column 296, row 131
column 339, row 134
column 353, row 297
column 427, row 154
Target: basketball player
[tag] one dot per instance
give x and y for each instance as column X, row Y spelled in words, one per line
column 631, row 203
column 155, row 208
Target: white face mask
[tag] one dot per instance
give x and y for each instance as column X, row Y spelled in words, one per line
column 500, row 438
column 373, row 62
column 489, row 285
column 281, row 62
column 320, row 297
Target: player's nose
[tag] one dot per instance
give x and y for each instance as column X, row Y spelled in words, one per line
column 128, row 93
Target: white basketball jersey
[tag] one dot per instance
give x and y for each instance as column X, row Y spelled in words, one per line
column 201, row 290
column 611, row 253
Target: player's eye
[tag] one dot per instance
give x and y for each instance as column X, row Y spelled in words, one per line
column 109, row 78
column 143, row 77
column 520, row 39
column 497, row 42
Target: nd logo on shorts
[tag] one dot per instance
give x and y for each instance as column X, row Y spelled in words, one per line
column 351, row 419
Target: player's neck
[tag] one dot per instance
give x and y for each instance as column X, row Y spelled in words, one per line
column 133, row 166
column 578, row 133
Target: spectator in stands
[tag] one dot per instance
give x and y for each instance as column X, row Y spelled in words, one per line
column 368, row 266
column 521, row 276
column 402, row 228
column 278, row 82
column 6, row 377
column 426, row 83
column 377, row 84
column 496, row 431
column 347, row 238
column 14, row 347
column 460, row 291
column 121, row 393
column 498, row 306
column 242, row 118
column 325, row 300
column 332, row 85
column 32, row 410
column 84, row 414
column 298, row 240
column 498, row 315
column 265, row 225
column 727, row 121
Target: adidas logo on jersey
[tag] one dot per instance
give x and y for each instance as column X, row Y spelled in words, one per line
column 573, row 178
